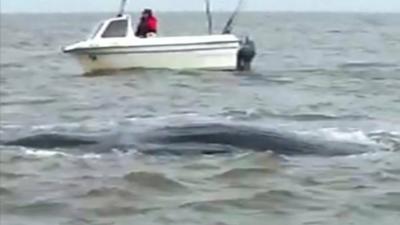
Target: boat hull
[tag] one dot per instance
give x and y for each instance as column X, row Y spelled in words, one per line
column 185, row 52
column 213, row 58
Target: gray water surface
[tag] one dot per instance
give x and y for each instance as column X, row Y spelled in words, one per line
column 332, row 77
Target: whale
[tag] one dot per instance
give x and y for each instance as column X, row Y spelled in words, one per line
column 195, row 139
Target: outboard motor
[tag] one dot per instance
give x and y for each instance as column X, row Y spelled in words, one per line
column 246, row 54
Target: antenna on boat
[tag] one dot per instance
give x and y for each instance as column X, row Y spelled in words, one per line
column 209, row 17
column 229, row 25
column 122, row 8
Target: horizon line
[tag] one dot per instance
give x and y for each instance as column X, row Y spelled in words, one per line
column 200, row 11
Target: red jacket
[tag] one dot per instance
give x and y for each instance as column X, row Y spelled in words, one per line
column 152, row 24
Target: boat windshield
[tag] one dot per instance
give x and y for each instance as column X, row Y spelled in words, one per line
column 96, row 31
column 116, row 29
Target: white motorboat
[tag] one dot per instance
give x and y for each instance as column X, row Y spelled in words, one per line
column 114, row 46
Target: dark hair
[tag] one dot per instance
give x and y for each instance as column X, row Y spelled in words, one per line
column 148, row 11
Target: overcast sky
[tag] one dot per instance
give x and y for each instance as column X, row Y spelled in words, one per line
column 182, row 5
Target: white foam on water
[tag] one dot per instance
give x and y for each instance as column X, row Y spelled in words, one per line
column 91, row 156
column 163, row 118
column 44, row 153
column 371, row 156
column 55, row 126
column 176, row 119
column 51, row 154
column 91, row 126
column 335, row 134
column 248, row 113
column 9, row 126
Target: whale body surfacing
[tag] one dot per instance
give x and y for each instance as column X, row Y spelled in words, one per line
column 195, row 139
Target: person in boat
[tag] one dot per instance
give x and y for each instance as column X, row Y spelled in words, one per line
column 148, row 24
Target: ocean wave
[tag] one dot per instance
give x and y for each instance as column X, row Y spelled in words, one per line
column 104, row 192
column 321, row 117
column 12, row 65
column 388, row 201
column 335, row 31
column 28, row 101
column 118, row 210
column 256, row 114
column 366, row 65
column 390, row 139
column 219, row 205
column 178, row 118
column 12, row 176
column 266, row 160
column 279, row 195
column 155, row 181
column 5, row 191
column 245, row 173
column 38, row 208
column 264, row 201
column 15, row 156
column 278, row 80
column 200, row 166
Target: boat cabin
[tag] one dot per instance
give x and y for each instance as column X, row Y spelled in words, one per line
column 117, row 27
